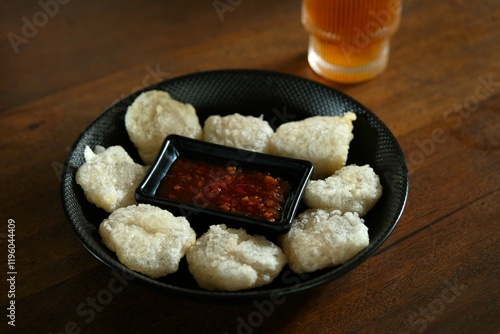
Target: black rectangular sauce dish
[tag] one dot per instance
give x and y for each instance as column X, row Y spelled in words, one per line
column 214, row 184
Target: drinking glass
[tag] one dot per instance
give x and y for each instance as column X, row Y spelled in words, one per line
column 349, row 40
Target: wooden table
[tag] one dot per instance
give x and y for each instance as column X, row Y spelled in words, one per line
column 65, row 62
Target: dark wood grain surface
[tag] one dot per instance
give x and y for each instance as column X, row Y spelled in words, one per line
column 65, row 62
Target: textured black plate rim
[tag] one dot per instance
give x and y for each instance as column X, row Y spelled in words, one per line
column 298, row 284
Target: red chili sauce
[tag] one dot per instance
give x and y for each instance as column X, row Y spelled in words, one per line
column 230, row 188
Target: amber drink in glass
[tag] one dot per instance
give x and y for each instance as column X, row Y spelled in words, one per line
column 349, row 39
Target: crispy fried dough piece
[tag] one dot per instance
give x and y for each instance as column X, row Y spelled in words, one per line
column 319, row 239
column 109, row 177
column 245, row 132
column 147, row 239
column 153, row 116
column 323, row 140
column 229, row 259
column 350, row 189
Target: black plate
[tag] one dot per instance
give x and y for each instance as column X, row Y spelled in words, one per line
column 280, row 98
